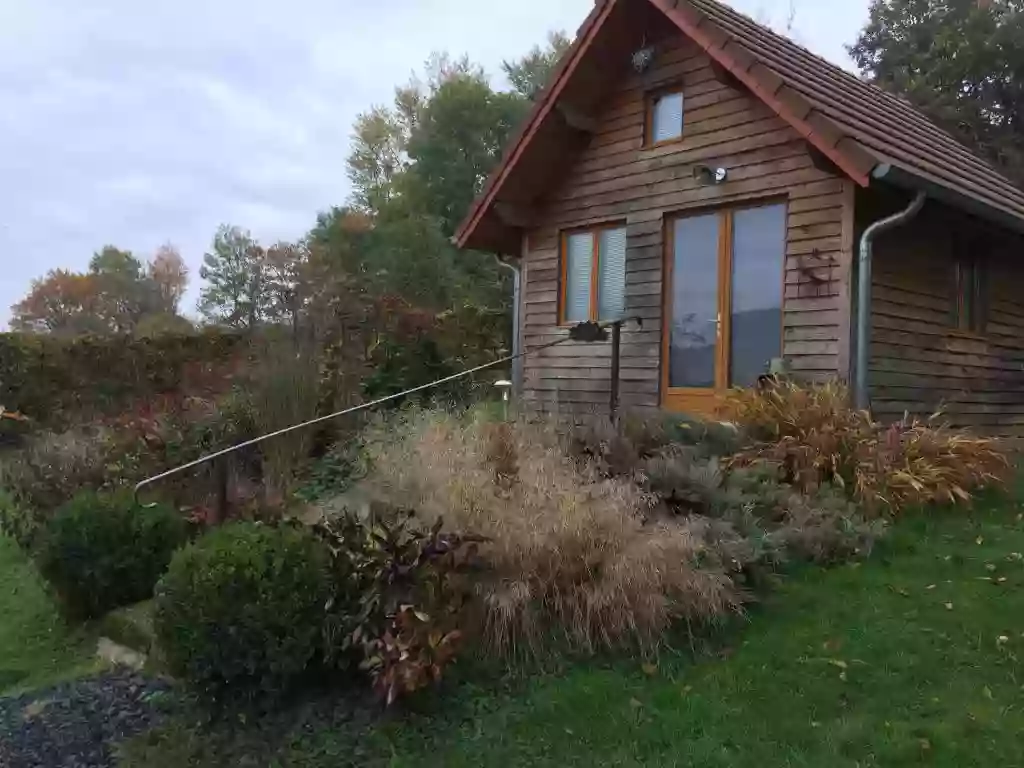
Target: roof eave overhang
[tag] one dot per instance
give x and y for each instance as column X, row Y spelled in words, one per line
column 465, row 235
column 909, row 180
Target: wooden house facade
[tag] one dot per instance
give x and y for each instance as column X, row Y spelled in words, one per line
column 716, row 186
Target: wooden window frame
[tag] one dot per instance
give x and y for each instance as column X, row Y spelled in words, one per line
column 970, row 274
column 706, row 399
column 594, row 230
column 649, row 100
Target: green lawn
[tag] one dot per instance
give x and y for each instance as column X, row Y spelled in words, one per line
column 911, row 658
column 36, row 646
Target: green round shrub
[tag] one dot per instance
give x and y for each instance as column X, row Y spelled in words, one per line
column 103, row 551
column 242, row 610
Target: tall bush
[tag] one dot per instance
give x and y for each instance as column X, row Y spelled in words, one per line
column 47, row 472
column 242, row 610
column 101, row 551
column 284, row 392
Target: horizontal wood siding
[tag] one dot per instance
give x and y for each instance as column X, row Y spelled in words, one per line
column 616, row 178
column 919, row 363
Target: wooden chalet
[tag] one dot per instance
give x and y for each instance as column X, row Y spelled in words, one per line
column 688, row 167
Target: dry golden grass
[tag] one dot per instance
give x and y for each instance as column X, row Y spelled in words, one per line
column 816, row 436
column 569, row 556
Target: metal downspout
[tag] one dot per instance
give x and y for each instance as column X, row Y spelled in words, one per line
column 517, row 363
column 860, row 391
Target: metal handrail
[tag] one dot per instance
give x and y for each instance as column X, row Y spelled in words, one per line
column 320, row 419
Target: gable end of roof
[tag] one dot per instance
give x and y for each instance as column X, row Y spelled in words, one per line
column 770, row 88
column 858, row 127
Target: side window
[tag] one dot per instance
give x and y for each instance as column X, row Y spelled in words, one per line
column 664, row 117
column 593, row 274
column 970, row 297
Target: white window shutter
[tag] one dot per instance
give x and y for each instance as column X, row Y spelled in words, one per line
column 611, row 286
column 579, row 255
column 667, row 121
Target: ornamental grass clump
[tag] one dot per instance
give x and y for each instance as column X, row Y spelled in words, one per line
column 569, row 553
column 815, row 436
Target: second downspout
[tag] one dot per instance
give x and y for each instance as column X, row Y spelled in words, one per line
column 861, row 398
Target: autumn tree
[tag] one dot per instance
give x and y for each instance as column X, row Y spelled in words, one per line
column 62, row 302
column 959, row 61
column 458, row 139
column 168, row 275
column 531, row 74
column 122, row 293
column 415, row 168
column 117, row 294
column 289, row 281
column 236, row 293
column 378, row 156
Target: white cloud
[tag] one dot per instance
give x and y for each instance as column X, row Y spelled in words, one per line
column 135, row 124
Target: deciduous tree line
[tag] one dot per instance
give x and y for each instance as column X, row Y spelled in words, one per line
column 415, row 166
column 417, row 163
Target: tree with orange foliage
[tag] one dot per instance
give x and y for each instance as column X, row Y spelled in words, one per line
column 63, row 302
column 118, row 294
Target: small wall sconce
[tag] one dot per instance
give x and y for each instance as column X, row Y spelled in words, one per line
column 642, row 58
column 708, row 177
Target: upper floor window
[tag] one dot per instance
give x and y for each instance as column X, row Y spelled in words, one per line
column 665, row 116
column 970, row 280
column 593, row 274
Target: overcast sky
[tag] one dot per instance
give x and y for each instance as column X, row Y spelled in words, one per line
column 138, row 123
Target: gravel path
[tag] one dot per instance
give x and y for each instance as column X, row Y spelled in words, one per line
column 77, row 724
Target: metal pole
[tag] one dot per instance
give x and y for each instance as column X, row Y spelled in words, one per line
column 220, row 468
column 613, row 406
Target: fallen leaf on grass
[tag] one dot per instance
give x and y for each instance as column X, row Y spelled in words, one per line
column 649, row 669
column 35, row 708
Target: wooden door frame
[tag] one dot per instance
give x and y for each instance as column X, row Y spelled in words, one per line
column 704, row 400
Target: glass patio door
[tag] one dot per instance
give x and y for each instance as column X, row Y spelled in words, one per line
column 723, row 314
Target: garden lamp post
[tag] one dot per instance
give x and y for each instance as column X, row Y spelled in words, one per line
column 505, row 386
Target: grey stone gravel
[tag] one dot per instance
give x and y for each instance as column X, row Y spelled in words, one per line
column 77, row 724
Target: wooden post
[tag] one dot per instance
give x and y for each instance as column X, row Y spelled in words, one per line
column 220, row 469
